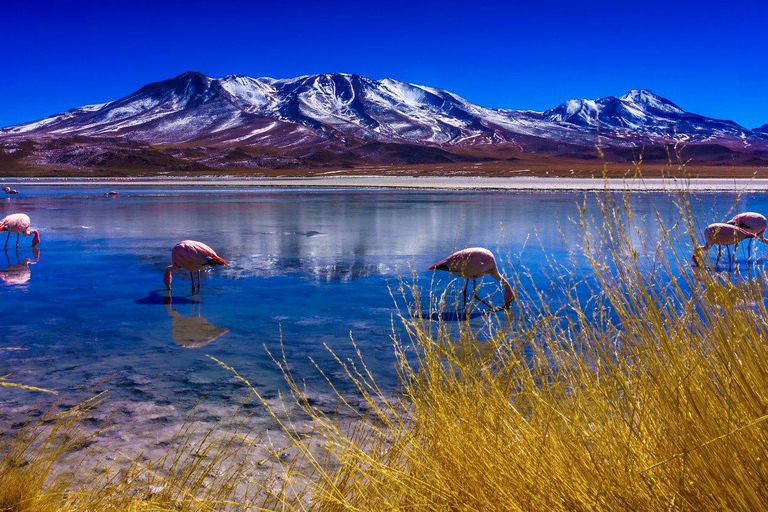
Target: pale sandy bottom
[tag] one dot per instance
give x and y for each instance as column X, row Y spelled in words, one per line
column 435, row 183
column 122, row 433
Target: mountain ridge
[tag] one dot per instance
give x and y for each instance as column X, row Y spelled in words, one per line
column 337, row 118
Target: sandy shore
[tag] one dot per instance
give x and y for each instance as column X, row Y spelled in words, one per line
column 407, row 182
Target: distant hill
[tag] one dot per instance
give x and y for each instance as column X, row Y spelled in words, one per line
column 194, row 122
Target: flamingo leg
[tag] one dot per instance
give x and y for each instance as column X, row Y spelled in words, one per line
column 6, row 240
column 728, row 249
column 198, row 281
column 719, row 253
column 192, row 277
column 466, row 283
column 749, row 250
column 17, row 239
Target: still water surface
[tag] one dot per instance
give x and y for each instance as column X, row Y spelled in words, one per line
column 307, row 266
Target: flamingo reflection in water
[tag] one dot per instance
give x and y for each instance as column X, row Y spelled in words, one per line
column 192, row 331
column 19, row 272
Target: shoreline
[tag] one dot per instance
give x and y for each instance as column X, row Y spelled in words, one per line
column 520, row 183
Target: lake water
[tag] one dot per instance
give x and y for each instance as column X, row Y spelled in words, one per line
column 310, row 267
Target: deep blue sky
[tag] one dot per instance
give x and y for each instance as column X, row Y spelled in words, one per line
column 709, row 57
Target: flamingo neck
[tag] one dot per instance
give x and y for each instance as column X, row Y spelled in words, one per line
column 35, row 237
column 509, row 295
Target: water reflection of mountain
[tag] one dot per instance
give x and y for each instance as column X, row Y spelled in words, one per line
column 19, row 272
column 335, row 235
column 320, row 269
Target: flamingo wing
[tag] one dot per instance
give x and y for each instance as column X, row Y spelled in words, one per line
column 194, row 255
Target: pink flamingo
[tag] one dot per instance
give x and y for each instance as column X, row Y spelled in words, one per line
column 18, row 223
column 192, row 256
column 752, row 222
column 112, row 193
column 13, row 191
column 721, row 234
column 7, row 190
column 474, row 263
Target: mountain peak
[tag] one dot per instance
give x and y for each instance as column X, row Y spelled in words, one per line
column 640, row 95
column 180, row 84
column 191, row 75
column 646, row 99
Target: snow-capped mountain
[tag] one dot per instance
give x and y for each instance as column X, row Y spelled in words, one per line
column 193, row 106
column 242, row 121
column 642, row 113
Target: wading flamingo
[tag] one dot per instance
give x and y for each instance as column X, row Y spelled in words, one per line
column 474, row 263
column 18, row 223
column 752, row 222
column 191, row 256
column 721, row 234
column 7, row 190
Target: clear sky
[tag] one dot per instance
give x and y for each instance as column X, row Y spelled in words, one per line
column 709, row 57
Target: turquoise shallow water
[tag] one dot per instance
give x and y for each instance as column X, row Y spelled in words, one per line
column 308, row 267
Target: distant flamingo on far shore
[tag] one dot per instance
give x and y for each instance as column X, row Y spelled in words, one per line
column 192, row 256
column 750, row 221
column 474, row 263
column 18, row 223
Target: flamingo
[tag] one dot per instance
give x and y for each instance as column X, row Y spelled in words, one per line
column 192, row 256
column 474, row 263
column 752, row 222
column 7, row 190
column 13, row 191
column 112, row 193
column 18, row 223
column 722, row 234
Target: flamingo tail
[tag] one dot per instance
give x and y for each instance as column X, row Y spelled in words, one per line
column 440, row 265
